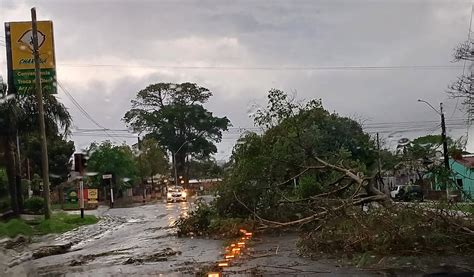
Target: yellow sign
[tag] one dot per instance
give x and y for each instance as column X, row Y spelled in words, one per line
column 21, row 63
column 92, row 194
column 21, row 36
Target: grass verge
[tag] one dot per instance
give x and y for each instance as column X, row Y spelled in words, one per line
column 65, row 206
column 58, row 223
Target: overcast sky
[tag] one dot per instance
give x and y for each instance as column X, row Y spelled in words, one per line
column 108, row 50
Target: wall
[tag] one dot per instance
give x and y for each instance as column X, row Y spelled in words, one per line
column 467, row 176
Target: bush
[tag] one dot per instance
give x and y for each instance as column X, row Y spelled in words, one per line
column 206, row 221
column 35, row 204
column 4, row 204
column 197, row 222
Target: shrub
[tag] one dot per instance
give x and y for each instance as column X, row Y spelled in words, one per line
column 204, row 220
column 35, row 204
column 198, row 220
column 4, row 204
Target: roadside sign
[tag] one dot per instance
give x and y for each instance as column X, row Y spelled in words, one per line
column 92, row 195
column 107, row 176
column 20, row 59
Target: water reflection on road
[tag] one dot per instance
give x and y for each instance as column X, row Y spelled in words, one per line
column 126, row 235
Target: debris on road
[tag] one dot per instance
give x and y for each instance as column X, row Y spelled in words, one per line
column 51, row 250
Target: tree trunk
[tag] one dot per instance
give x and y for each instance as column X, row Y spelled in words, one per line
column 11, row 172
column 180, row 166
column 19, row 188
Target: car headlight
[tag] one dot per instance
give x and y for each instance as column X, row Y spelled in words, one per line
column 168, row 194
column 184, row 194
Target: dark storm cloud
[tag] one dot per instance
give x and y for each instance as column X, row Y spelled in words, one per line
column 256, row 33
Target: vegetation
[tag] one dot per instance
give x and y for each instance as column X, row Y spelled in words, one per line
column 60, row 151
column 315, row 171
column 206, row 168
column 34, row 204
column 397, row 232
column 4, row 199
column 119, row 160
column 58, row 223
column 15, row 227
column 204, row 221
column 19, row 115
column 268, row 170
column 174, row 115
column 151, row 159
column 462, row 88
column 62, row 222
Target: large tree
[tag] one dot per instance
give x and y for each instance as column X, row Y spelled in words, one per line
column 174, row 115
column 303, row 152
column 152, row 159
column 463, row 87
column 205, row 169
column 60, row 151
column 19, row 117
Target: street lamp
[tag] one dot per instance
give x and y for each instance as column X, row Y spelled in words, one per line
column 443, row 138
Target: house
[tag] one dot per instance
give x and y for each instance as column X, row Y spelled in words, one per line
column 203, row 184
column 463, row 170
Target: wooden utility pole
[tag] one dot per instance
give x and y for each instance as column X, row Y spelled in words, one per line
column 39, row 102
column 379, row 163
column 445, row 146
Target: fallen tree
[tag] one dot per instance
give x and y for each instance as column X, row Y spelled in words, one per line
column 315, row 171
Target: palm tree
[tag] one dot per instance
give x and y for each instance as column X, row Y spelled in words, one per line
column 19, row 116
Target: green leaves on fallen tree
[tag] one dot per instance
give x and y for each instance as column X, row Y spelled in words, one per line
column 282, row 163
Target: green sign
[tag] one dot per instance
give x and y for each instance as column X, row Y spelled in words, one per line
column 24, row 80
column 71, row 196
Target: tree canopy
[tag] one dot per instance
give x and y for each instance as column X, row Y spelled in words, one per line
column 281, row 163
column 19, row 116
column 174, row 115
column 119, row 160
column 152, row 159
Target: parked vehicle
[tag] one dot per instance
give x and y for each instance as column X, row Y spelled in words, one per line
column 176, row 194
column 407, row 193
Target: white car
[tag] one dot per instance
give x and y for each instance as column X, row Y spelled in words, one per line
column 176, row 194
column 395, row 192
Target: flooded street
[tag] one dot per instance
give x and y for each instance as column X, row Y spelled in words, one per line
column 136, row 241
column 140, row 241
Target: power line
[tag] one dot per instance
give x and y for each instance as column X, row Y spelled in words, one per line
column 275, row 68
column 82, row 110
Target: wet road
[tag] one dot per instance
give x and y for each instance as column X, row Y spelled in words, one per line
column 129, row 241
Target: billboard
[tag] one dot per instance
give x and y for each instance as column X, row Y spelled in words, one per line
column 20, row 59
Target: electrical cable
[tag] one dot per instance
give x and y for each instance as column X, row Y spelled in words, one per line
column 83, row 111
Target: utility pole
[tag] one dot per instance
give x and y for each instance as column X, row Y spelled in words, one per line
column 141, row 168
column 39, row 102
column 445, row 146
column 444, row 138
column 79, row 167
column 379, row 163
